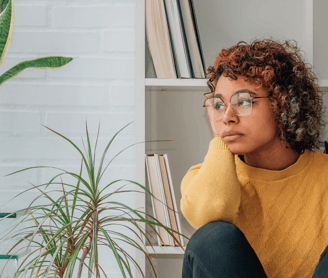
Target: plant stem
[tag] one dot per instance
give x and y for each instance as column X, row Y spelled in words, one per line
column 85, row 253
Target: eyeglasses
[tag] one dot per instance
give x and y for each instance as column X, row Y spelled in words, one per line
column 241, row 103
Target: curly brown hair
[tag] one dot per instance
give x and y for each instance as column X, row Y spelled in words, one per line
column 294, row 93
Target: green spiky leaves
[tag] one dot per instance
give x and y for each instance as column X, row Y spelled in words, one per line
column 7, row 17
column 52, row 62
column 77, row 218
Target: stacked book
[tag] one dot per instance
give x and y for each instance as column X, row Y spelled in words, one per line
column 164, row 202
column 173, row 39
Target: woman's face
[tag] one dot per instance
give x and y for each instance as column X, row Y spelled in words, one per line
column 258, row 130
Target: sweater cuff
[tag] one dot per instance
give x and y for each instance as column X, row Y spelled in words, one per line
column 217, row 143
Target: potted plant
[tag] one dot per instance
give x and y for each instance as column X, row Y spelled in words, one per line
column 69, row 230
column 7, row 17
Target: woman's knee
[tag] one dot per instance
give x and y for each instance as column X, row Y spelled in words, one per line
column 218, row 247
column 216, row 234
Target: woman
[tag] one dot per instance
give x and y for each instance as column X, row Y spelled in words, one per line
column 259, row 201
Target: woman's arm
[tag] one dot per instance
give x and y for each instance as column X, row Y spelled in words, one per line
column 211, row 190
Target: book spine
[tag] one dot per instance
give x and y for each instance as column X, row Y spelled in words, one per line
column 173, row 197
column 152, row 200
column 159, row 45
column 163, row 198
column 192, row 8
column 158, row 208
column 179, row 44
column 185, row 40
column 176, row 64
column 169, row 200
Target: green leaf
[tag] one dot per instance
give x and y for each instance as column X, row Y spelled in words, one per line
column 84, row 159
column 3, row 4
column 91, row 163
column 114, row 251
column 77, row 190
column 71, row 264
column 63, row 235
column 6, row 28
column 51, row 62
column 104, row 154
column 144, row 188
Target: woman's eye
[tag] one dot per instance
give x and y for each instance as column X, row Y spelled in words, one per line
column 244, row 102
column 219, row 106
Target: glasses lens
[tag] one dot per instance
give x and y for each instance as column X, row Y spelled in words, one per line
column 216, row 106
column 216, row 103
column 241, row 103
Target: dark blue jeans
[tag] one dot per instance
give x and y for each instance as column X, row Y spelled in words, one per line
column 220, row 249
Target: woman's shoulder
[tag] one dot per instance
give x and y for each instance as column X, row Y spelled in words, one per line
column 320, row 160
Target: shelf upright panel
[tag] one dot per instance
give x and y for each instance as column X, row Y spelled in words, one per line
column 140, row 120
column 320, row 40
column 308, row 30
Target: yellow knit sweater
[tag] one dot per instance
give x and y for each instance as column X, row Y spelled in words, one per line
column 283, row 214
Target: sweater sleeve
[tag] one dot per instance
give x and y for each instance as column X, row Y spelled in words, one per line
column 211, row 191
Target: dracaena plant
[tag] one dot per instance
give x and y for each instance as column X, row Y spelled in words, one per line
column 66, row 232
column 7, row 16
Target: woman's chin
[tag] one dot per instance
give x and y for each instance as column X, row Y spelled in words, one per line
column 238, row 150
column 237, row 145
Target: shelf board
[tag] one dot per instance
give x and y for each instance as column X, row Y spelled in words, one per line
column 161, row 250
column 323, row 83
column 176, row 84
column 190, row 84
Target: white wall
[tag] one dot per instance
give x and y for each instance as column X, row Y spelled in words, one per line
column 98, row 85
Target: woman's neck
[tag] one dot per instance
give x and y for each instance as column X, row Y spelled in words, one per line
column 277, row 158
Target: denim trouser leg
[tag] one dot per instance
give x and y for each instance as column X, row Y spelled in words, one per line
column 220, row 249
column 321, row 270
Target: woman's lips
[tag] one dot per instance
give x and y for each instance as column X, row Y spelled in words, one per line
column 229, row 138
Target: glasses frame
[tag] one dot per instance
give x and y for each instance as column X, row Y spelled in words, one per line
column 225, row 107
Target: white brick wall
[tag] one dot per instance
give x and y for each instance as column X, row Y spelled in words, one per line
column 98, row 85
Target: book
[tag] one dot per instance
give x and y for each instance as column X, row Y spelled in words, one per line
column 179, row 44
column 157, row 203
column 163, row 203
column 159, row 42
column 168, row 171
column 192, row 38
column 163, row 195
column 169, row 200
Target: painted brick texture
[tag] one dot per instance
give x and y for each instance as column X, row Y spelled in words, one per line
column 98, row 85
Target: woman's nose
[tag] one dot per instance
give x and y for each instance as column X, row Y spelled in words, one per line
column 229, row 115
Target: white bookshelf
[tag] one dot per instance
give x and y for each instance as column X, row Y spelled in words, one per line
column 175, row 84
column 172, row 108
column 323, row 83
column 159, row 250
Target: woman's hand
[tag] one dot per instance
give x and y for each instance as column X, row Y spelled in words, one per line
column 211, row 116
